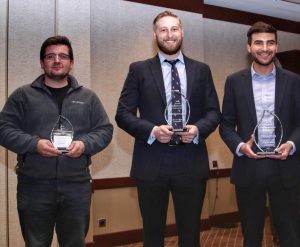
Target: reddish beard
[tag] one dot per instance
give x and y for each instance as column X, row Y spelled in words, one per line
column 169, row 51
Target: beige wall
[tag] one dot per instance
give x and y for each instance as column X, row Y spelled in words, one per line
column 220, row 197
column 3, row 87
column 107, row 36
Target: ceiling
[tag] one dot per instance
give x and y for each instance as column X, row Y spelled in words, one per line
column 284, row 9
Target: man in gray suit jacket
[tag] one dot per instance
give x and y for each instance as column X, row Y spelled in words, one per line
column 264, row 88
column 159, row 168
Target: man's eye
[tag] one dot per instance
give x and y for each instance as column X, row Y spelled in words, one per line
column 50, row 56
column 63, row 56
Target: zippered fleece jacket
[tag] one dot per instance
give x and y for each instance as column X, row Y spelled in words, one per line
column 31, row 113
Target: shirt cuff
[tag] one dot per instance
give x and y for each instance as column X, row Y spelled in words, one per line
column 152, row 137
column 293, row 150
column 196, row 139
column 237, row 151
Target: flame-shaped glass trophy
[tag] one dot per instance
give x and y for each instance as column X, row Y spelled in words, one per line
column 265, row 134
column 62, row 134
column 177, row 114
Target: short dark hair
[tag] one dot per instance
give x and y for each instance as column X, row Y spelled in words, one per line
column 56, row 40
column 261, row 27
column 163, row 14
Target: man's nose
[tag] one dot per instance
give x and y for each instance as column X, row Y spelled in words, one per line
column 265, row 46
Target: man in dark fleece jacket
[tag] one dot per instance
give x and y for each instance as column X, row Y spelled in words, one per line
column 53, row 188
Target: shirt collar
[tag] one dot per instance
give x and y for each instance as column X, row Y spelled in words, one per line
column 162, row 58
column 258, row 77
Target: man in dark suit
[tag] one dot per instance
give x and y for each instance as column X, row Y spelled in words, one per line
column 264, row 88
column 160, row 168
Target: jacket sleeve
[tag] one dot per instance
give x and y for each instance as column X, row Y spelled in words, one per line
column 126, row 116
column 295, row 98
column 100, row 134
column 12, row 136
column 207, row 124
column 228, row 123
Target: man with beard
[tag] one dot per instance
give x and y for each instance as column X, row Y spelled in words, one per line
column 268, row 95
column 166, row 161
column 37, row 122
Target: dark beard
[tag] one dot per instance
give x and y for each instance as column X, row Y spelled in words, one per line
column 263, row 64
column 168, row 51
column 56, row 77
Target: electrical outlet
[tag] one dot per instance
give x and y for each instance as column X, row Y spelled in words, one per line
column 102, row 222
column 215, row 164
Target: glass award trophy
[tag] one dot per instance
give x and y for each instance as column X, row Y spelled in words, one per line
column 176, row 115
column 62, row 134
column 265, row 134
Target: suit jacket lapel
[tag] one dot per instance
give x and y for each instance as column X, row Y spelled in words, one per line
column 246, row 83
column 190, row 73
column 279, row 89
column 155, row 68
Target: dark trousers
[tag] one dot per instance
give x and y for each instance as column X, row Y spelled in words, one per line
column 284, row 204
column 47, row 205
column 188, row 195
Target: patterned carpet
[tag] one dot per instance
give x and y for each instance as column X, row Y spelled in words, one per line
column 219, row 237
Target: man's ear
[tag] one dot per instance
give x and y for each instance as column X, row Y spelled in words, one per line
column 42, row 64
column 248, row 48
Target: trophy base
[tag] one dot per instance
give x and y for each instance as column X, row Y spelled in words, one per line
column 175, row 140
column 268, row 153
column 179, row 130
column 63, row 150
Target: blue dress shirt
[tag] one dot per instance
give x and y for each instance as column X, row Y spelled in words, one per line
column 166, row 71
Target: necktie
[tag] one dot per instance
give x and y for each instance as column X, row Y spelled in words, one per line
column 176, row 104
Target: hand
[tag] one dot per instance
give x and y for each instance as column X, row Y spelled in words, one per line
column 284, row 151
column 46, row 148
column 246, row 149
column 163, row 133
column 189, row 135
column 75, row 149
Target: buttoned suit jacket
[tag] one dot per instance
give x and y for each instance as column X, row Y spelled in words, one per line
column 142, row 105
column 239, row 120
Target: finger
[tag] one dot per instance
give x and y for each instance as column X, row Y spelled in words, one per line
column 277, row 157
column 51, row 153
column 187, row 139
column 251, row 154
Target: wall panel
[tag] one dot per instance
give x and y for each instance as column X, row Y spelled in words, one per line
column 288, row 41
column 3, row 88
column 225, row 52
column 30, row 23
column 73, row 21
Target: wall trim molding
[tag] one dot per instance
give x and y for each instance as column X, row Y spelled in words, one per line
column 125, row 182
column 224, row 14
column 132, row 236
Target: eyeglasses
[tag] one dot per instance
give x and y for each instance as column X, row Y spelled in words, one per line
column 53, row 56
